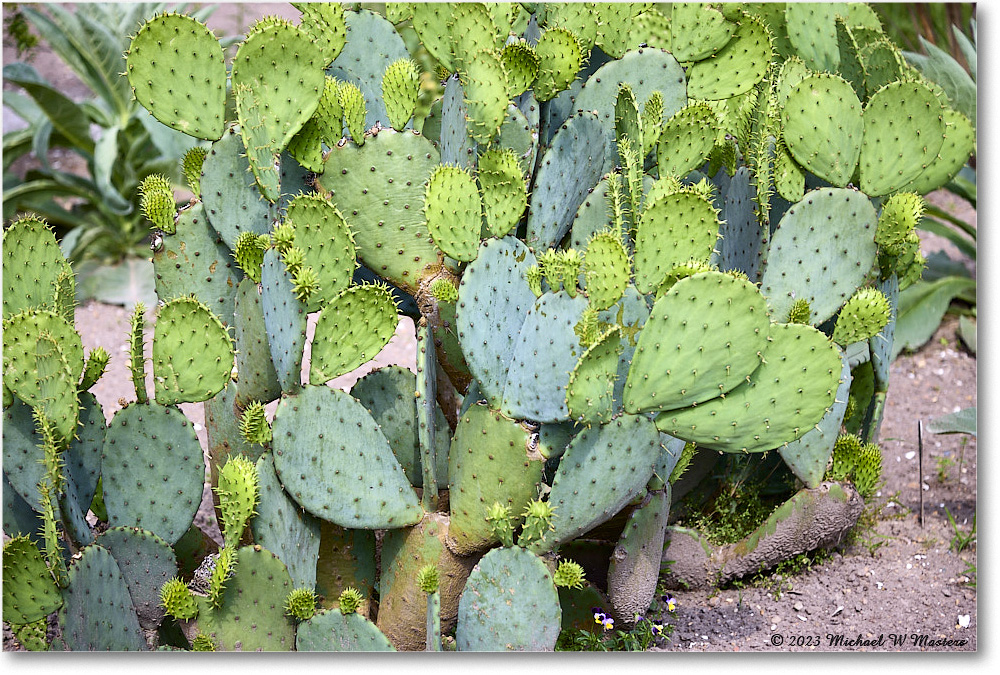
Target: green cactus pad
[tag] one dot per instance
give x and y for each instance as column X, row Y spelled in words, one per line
column 258, row 380
column 592, row 216
column 473, row 30
column 372, row 46
column 327, row 243
column 251, row 615
column 676, row 228
column 519, row 132
column 571, row 166
column 904, row 130
column 901, row 213
column 698, row 31
column 628, row 124
column 807, row 457
column 230, row 208
column 504, row 193
column 743, row 241
column 782, row 400
column 238, row 490
column 615, row 21
column 789, row 178
column 485, row 85
column 387, row 393
column 686, row 140
column 735, row 68
column 351, row 330
column 19, row 517
column 379, row 189
column 453, row 210
column 400, row 88
column 559, row 60
column 590, row 391
column 29, row 592
column 861, row 317
column 324, row 22
column 521, row 65
column 720, row 310
column 829, row 103
column 285, row 319
column 192, row 353
column 813, row 33
column 606, row 269
column 32, row 263
column 262, row 150
column 195, row 261
column 191, row 165
column 576, row 17
column 146, row 563
column 484, row 314
column 157, row 202
column 352, row 103
column 515, row 584
column 152, row 451
column 959, row 143
column 283, row 528
column 170, row 57
column 331, row 631
column 838, row 221
column 882, row 62
column 325, row 433
column 602, row 469
column 430, row 22
column 635, row 564
column 545, row 353
column 489, row 461
column 97, row 612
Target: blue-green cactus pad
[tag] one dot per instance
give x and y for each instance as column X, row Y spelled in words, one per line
column 781, row 401
column 283, row 528
column 18, row 515
column 83, row 457
column 152, row 470
column 146, row 563
column 744, row 240
column 822, row 251
column 97, row 613
column 590, row 391
column 602, row 469
column 232, row 200
column 258, row 380
column 22, row 453
column 192, row 353
column 335, row 462
column 702, row 339
column 285, row 319
column 510, row 603
column 331, row 631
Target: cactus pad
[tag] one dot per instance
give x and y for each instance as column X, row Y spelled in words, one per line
column 29, row 593
column 324, row 433
column 504, row 193
column 192, row 353
column 559, row 60
column 484, row 82
column 521, row 64
column 171, row 56
column 258, row 380
column 327, row 243
column 324, row 22
column 146, row 563
column 285, row 320
column 606, row 268
column 686, row 140
column 735, row 68
column 861, row 317
column 589, row 393
column 697, row 31
column 333, row 631
column 232, row 209
column 400, row 88
column 454, row 212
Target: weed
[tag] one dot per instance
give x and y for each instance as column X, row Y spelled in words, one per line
column 944, row 465
column 961, row 540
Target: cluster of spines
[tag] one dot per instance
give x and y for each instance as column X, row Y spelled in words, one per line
column 569, row 575
column 177, row 599
column 350, row 599
column 249, row 253
column 254, row 425
column 501, row 523
column 537, row 523
column 301, row 604
column 156, row 201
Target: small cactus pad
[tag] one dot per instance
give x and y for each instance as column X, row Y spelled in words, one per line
column 904, row 130
column 400, row 87
column 351, row 330
column 521, row 64
column 251, row 614
column 169, row 58
column 258, row 380
column 146, row 563
column 697, row 31
column 285, row 319
column 829, row 103
column 504, row 193
column 861, row 317
column 454, row 212
column 606, row 269
column 238, row 491
column 326, row 242
column 192, row 353
column 782, row 400
column 157, row 202
column 812, row 32
column 822, row 250
column 589, row 394
column 602, row 469
column 29, row 593
column 744, row 240
column 514, row 584
column 379, row 189
column 675, row 229
column 23, row 456
column 959, row 143
column 98, row 613
column 488, row 462
column 152, row 470
column 284, row 529
column 735, row 68
column 324, row 22
column 484, row 82
column 559, row 60
column 32, row 263
column 232, row 209
column 570, row 168
column 262, row 151
column 703, row 337
column 686, row 140
column 332, row 631
column 336, row 463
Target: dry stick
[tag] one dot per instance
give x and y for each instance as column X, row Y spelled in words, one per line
column 920, row 468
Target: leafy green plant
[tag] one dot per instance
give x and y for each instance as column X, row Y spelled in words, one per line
column 961, row 540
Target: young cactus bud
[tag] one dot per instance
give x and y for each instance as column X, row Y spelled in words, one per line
column 846, row 451
column 400, row 88
column 254, row 426
column 900, row 215
column 428, row 579
column 225, row 567
column 137, row 361
column 301, row 604
column 329, row 115
column 868, row 470
column 157, row 202
column 191, row 167
column 352, row 103
column 249, row 253
column 687, row 454
column 537, row 522
column 800, row 312
column 521, row 64
column 533, row 275
column 239, row 492
column 444, row 291
column 652, row 122
column 97, row 363
column 294, row 258
column 569, row 575
column 570, row 262
column 550, row 263
column 499, row 518
column 202, row 643
column 350, row 600
column 177, row 599
column 616, row 202
column 861, row 317
column 305, row 283
column 588, row 328
column 283, row 238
